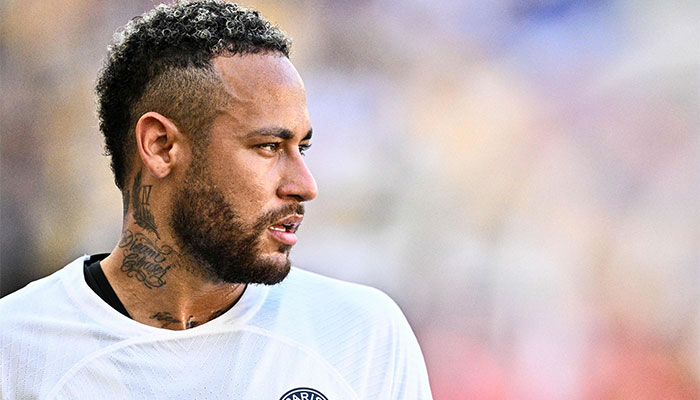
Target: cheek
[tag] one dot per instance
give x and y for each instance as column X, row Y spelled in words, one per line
column 244, row 192
column 247, row 181
column 249, row 199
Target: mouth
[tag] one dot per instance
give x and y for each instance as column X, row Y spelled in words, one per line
column 284, row 230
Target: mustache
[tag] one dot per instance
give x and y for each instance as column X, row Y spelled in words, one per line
column 272, row 216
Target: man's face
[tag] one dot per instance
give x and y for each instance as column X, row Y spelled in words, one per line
column 241, row 198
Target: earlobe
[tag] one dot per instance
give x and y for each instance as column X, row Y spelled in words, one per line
column 157, row 140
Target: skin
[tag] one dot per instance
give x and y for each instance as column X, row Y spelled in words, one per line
column 254, row 157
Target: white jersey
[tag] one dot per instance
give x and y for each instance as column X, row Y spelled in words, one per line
column 307, row 338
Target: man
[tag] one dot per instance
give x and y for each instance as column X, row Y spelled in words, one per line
column 205, row 119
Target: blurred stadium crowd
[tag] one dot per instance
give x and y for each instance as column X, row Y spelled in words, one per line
column 521, row 176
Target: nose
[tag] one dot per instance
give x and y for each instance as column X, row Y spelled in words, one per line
column 297, row 181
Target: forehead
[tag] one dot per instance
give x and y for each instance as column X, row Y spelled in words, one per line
column 264, row 91
column 258, row 77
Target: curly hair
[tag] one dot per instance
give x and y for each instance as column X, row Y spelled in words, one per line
column 162, row 61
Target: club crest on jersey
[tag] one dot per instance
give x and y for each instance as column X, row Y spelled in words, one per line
column 303, row 394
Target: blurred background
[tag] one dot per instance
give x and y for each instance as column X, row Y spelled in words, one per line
column 521, row 176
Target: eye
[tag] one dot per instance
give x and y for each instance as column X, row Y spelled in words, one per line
column 303, row 148
column 272, row 147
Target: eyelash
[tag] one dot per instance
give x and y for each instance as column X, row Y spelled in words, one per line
column 303, row 148
column 275, row 146
column 270, row 146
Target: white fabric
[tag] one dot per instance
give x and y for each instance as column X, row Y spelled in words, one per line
column 60, row 340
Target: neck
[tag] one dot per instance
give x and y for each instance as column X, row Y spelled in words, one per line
column 160, row 286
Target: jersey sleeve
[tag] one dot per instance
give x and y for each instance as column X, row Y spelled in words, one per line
column 396, row 368
column 410, row 377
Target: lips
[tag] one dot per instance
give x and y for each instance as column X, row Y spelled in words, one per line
column 284, row 229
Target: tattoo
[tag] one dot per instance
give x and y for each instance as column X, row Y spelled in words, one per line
column 125, row 203
column 218, row 313
column 190, row 323
column 166, row 318
column 144, row 260
column 140, row 195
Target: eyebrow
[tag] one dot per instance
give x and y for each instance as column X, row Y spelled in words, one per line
column 281, row 133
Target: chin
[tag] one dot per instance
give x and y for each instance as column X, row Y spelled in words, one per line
column 274, row 269
column 266, row 270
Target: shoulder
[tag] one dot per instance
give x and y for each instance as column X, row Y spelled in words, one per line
column 359, row 330
column 32, row 299
column 35, row 321
column 322, row 293
column 328, row 313
column 43, row 306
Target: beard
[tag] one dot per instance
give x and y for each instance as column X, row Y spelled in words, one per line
column 210, row 231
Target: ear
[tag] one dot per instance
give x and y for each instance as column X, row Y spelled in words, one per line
column 159, row 143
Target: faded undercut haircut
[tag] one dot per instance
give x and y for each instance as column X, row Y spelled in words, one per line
column 162, row 61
